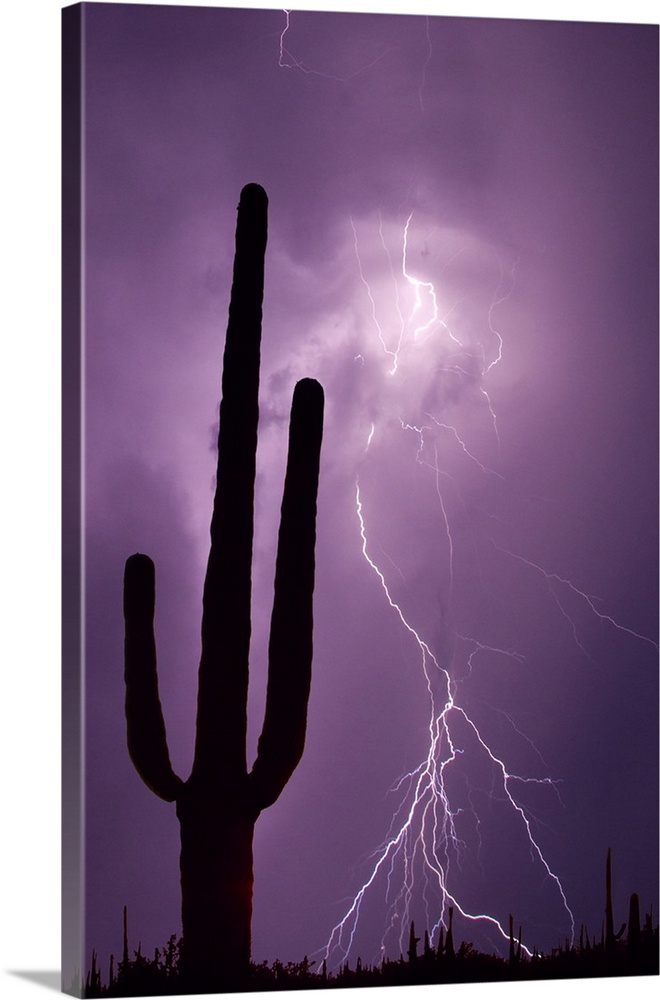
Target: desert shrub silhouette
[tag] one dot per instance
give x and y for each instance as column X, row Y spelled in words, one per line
column 635, row 955
column 218, row 804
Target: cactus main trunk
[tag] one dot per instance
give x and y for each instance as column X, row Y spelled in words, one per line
column 216, row 891
column 219, row 803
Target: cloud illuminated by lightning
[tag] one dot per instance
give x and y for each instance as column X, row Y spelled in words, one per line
column 418, row 861
column 424, row 848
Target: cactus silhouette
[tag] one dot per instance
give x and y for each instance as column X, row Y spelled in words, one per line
column 634, row 930
column 412, row 944
column 610, row 937
column 218, row 804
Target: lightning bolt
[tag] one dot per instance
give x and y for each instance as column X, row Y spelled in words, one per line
column 423, row 832
column 287, row 61
column 500, row 296
column 589, row 600
column 429, row 56
column 418, row 286
column 421, row 856
column 381, row 336
column 464, row 448
column 422, row 318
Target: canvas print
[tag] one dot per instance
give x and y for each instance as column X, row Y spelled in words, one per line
column 361, row 482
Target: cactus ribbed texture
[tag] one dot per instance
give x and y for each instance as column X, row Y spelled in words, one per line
column 219, row 803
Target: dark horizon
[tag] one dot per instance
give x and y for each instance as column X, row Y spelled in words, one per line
column 487, row 529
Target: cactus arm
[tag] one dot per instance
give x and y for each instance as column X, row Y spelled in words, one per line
column 147, row 742
column 290, row 647
column 223, row 672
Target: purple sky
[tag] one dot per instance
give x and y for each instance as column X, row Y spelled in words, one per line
column 505, row 450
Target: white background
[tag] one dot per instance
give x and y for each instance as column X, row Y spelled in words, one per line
column 30, row 477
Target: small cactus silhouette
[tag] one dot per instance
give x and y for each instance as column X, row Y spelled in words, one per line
column 634, row 931
column 412, row 944
column 610, row 937
column 219, row 803
column 449, row 940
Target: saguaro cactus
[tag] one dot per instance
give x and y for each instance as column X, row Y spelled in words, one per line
column 610, row 937
column 634, row 931
column 219, row 803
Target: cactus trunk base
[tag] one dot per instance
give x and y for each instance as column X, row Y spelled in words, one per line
column 216, row 895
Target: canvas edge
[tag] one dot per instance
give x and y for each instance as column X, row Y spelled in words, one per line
column 72, row 548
